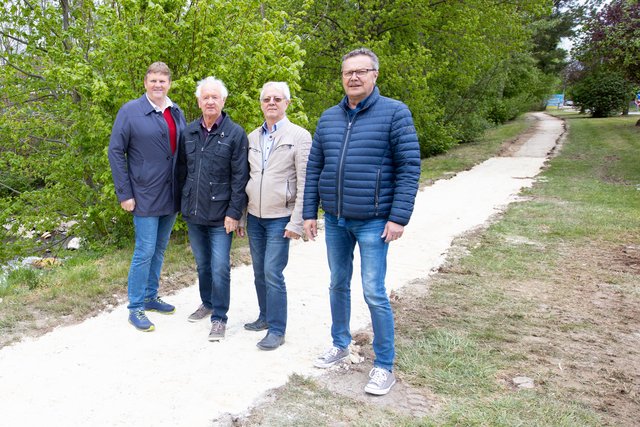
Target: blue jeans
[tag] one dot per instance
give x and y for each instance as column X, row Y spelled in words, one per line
column 341, row 236
column 211, row 248
column 269, row 256
column 152, row 237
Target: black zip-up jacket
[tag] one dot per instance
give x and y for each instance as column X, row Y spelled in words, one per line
column 213, row 172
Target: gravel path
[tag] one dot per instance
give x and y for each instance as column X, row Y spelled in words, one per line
column 102, row 372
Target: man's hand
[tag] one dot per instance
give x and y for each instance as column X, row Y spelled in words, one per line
column 230, row 224
column 311, row 229
column 128, row 205
column 392, row 231
column 288, row 234
column 240, row 232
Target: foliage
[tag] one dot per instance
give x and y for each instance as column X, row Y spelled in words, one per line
column 603, row 93
column 611, row 38
column 67, row 67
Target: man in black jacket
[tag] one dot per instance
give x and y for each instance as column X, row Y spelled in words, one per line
column 212, row 173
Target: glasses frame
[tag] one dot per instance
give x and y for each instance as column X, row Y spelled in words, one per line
column 359, row 73
column 276, row 99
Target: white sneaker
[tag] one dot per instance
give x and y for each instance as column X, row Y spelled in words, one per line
column 331, row 357
column 380, row 381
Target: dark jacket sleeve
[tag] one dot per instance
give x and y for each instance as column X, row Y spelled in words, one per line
column 406, row 159
column 239, row 176
column 118, row 147
column 314, row 168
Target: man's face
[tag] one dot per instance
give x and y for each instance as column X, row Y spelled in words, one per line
column 211, row 101
column 357, row 87
column 157, row 86
column 273, row 104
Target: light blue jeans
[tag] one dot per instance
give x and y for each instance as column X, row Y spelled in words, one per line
column 341, row 236
column 269, row 256
column 151, row 239
column 211, row 248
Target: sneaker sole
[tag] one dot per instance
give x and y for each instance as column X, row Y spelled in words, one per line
column 161, row 312
column 379, row 391
column 215, row 339
column 256, row 329
column 322, row 365
column 149, row 329
column 197, row 319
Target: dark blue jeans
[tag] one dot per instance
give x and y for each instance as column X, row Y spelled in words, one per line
column 152, row 237
column 341, row 236
column 211, row 248
column 269, row 256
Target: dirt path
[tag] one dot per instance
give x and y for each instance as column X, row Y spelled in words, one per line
column 102, row 372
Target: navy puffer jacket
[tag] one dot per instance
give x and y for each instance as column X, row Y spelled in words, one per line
column 365, row 168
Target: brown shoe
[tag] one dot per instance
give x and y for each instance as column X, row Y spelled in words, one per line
column 217, row 330
column 200, row 313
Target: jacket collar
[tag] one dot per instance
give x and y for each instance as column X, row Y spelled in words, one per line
column 365, row 103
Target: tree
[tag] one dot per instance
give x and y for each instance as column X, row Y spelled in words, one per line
column 610, row 41
column 67, row 67
column 603, row 93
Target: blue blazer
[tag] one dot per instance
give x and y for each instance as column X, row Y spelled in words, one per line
column 142, row 164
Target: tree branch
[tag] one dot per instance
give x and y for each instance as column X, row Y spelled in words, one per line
column 26, row 73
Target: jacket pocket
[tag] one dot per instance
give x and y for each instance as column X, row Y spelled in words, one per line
column 376, row 196
column 218, row 198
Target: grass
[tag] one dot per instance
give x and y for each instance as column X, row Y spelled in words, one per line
column 465, row 156
column 549, row 291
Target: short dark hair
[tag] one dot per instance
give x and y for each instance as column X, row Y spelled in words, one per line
column 160, row 68
column 366, row 52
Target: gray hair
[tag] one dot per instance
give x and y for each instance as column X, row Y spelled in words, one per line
column 214, row 82
column 366, row 52
column 280, row 87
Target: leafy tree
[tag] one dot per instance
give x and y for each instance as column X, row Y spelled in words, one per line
column 68, row 66
column 610, row 43
column 603, row 93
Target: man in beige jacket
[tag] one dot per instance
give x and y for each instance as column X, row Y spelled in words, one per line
column 278, row 152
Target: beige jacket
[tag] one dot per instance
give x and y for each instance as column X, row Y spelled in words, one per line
column 278, row 191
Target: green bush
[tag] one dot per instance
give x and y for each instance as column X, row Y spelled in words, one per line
column 603, row 93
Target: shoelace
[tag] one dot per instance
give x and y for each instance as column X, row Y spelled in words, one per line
column 140, row 315
column 378, row 376
column 331, row 353
column 216, row 326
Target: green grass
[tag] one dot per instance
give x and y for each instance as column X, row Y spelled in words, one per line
column 519, row 297
column 465, row 156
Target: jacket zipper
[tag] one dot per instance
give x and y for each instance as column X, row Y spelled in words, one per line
column 343, row 155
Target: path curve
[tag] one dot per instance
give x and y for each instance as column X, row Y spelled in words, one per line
column 102, row 372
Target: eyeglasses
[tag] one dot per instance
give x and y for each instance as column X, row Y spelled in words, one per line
column 276, row 99
column 359, row 73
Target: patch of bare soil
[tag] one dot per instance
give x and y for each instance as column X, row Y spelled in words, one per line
column 348, row 379
column 591, row 346
column 581, row 340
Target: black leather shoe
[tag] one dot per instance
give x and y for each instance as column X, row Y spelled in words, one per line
column 258, row 325
column 271, row 342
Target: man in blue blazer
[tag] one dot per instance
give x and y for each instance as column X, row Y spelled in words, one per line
column 142, row 155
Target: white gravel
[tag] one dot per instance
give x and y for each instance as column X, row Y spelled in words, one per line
column 103, row 372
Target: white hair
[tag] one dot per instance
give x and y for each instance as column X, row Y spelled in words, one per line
column 213, row 82
column 279, row 86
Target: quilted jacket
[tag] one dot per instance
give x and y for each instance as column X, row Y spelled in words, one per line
column 364, row 167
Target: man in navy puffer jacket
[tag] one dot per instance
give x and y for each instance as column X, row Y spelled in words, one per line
column 363, row 170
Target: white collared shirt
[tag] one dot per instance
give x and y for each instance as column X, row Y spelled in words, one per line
column 267, row 139
column 167, row 104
